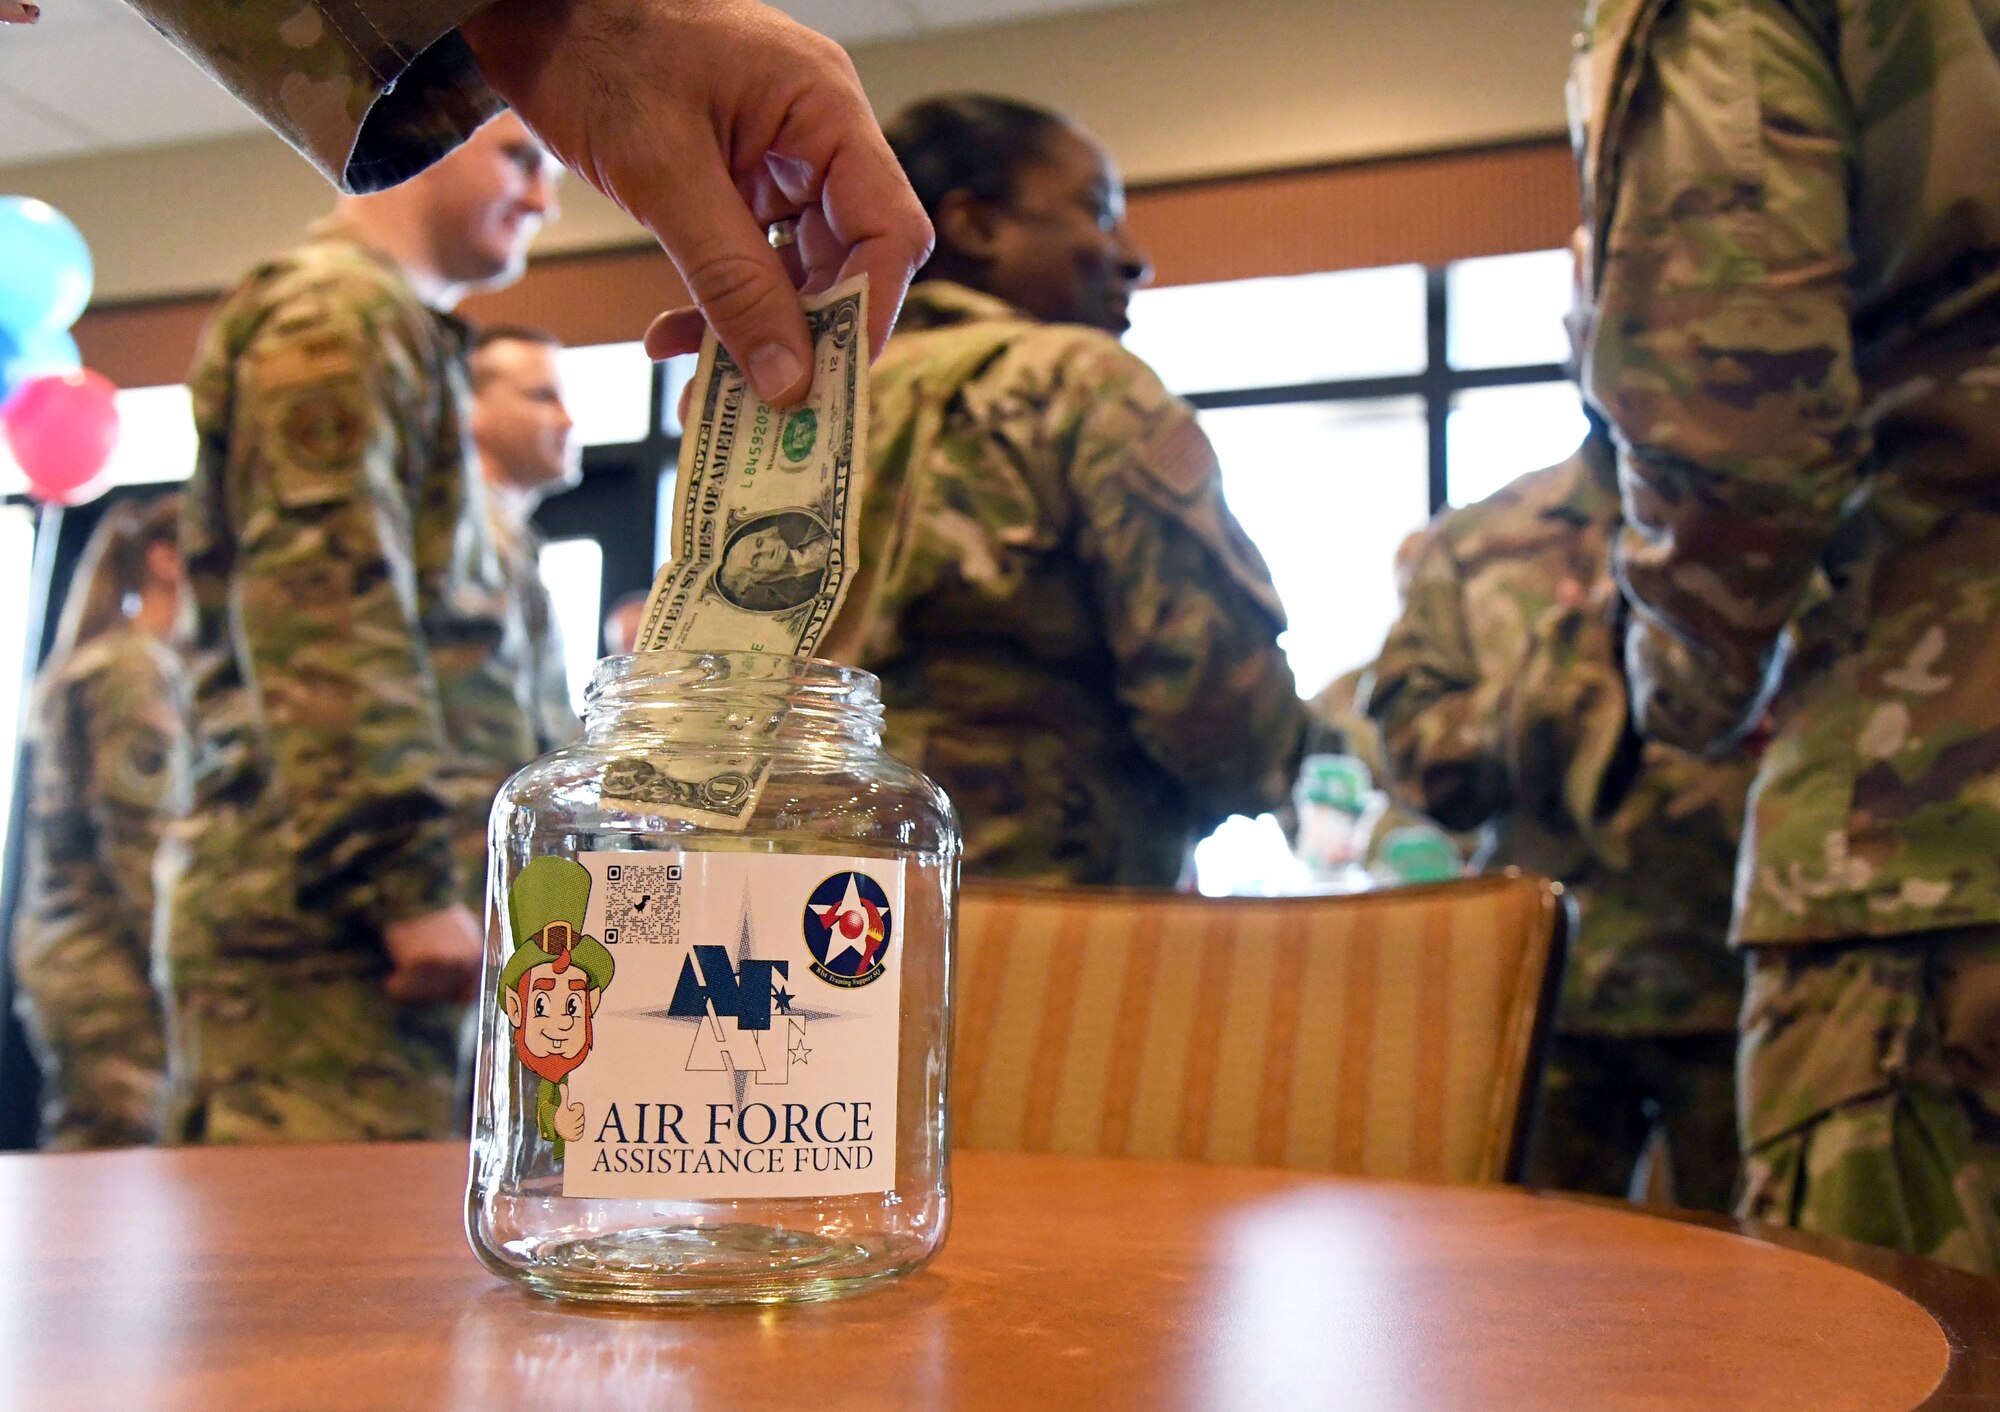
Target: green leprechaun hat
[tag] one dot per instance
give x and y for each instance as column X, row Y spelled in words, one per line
column 545, row 908
column 1340, row 781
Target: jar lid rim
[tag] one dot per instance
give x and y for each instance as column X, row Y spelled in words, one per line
column 764, row 670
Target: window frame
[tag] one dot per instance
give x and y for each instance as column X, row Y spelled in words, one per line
column 1437, row 384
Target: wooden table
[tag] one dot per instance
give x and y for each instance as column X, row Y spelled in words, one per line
column 336, row 1277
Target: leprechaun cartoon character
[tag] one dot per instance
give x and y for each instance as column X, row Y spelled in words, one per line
column 552, row 985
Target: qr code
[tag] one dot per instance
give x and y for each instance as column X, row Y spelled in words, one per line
column 643, row 904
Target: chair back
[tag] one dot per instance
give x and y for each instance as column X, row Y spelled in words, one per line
column 1391, row 1034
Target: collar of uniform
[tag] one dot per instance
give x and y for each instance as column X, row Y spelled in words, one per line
column 939, row 303
column 512, row 523
column 1593, row 487
column 1600, row 457
column 457, row 331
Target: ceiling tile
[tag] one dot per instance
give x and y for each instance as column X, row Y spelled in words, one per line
column 854, row 21
column 123, row 83
column 26, row 135
column 93, row 76
column 64, row 17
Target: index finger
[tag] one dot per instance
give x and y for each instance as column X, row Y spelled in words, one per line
column 870, row 209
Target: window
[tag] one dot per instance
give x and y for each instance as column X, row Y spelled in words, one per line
column 156, row 436
column 1494, row 434
column 1327, row 490
column 675, row 375
column 608, row 389
column 1506, row 310
column 573, row 572
column 1347, row 408
column 1253, row 333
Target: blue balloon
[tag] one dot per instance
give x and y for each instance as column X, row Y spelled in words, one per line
column 45, row 269
column 38, row 357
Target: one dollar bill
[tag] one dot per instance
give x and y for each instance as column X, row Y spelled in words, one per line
column 765, row 537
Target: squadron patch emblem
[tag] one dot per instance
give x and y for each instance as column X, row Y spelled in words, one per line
column 325, row 427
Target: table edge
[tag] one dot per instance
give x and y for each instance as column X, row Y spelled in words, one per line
column 1964, row 1306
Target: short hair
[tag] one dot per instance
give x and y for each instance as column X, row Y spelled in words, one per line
column 485, row 338
column 491, row 334
column 973, row 142
column 113, row 564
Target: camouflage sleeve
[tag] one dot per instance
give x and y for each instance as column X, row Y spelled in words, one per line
column 1569, row 741
column 135, row 733
column 369, row 91
column 320, row 460
column 1716, row 157
column 1440, row 721
column 1185, row 599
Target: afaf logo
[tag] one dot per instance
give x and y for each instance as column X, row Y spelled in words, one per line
column 731, row 1005
column 848, row 928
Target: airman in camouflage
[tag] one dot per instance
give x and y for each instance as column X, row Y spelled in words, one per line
column 1502, row 709
column 545, row 673
column 1796, row 236
column 110, row 770
column 1074, row 636
column 359, row 688
column 521, row 430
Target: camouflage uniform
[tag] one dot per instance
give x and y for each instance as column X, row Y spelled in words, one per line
column 1796, row 226
column 545, row 677
column 110, row 771
column 1074, row 636
column 368, row 91
column 358, row 680
column 1502, row 709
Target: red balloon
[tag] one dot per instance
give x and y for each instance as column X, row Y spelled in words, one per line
column 62, row 429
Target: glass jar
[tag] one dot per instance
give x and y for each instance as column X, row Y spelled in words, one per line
column 714, row 1024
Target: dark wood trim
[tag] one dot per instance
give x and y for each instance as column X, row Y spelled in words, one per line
column 144, row 344
column 1540, row 142
column 1430, row 208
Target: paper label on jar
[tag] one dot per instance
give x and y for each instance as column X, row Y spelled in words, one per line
column 710, row 1025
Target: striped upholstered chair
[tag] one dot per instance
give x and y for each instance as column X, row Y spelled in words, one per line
column 1390, row 1034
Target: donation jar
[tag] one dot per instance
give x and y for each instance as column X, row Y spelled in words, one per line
column 715, row 1020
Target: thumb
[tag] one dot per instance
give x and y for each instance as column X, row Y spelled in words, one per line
column 739, row 283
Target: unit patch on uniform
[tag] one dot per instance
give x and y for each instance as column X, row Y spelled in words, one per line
column 324, row 427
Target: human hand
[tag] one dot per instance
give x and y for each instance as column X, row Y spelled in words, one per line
column 709, row 121
column 14, row 12
column 433, row 958
column 569, row 1122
